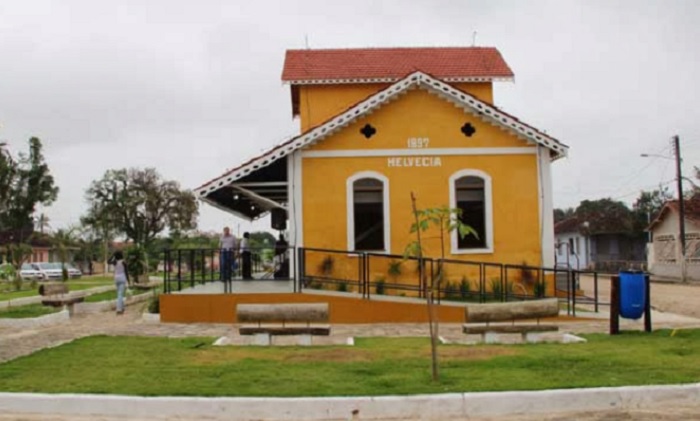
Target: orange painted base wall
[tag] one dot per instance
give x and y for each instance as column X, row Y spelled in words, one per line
column 221, row 308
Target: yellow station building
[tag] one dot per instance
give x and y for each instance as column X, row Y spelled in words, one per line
column 379, row 124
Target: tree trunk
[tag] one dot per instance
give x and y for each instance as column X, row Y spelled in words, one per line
column 429, row 299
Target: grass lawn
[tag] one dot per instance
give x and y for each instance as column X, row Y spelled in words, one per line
column 109, row 295
column 25, row 292
column 73, row 285
column 375, row 366
column 32, row 310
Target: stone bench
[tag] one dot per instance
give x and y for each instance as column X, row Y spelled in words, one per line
column 267, row 320
column 481, row 319
column 54, row 294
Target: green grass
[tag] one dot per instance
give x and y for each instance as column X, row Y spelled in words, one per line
column 23, row 312
column 73, row 285
column 375, row 366
column 25, row 292
column 108, row 296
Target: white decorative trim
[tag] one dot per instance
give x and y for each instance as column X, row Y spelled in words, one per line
column 462, row 99
column 547, row 239
column 354, row 153
column 229, row 210
column 298, row 203
column 291, row 214
column 257, row 197
column 393, row 80
column 488, row 211
column 349, row 205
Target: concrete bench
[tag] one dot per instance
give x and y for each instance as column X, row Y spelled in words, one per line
column 268, row 320
column 480, row 319
column 54, row 294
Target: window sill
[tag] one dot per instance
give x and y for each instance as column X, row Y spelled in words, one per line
column 367, row 251
column 473, row 251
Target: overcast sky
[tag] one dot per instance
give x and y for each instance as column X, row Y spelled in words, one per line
column 193, row 87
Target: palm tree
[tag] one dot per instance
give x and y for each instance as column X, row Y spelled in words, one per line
column 62, row 241
column 42, row 222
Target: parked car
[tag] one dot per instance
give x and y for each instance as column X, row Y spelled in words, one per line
column 49, row 271
column 73, row 272
column 27, row 271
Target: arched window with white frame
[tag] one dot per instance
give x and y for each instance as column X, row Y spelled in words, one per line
column 368, row 227
column 470, row 191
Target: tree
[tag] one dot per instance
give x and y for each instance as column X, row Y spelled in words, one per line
column 563, row 214
column 26, row 182
column 606, row 216
column 42, row 223
column 649, row 204
column 63, row 240
column 138, row 204
column 445, row 220
column 100, row 225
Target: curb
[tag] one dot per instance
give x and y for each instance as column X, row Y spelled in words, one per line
column 102, row 306
column 444, row 406
column 42, row 321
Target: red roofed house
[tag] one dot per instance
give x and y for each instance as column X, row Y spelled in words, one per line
column 377, row 124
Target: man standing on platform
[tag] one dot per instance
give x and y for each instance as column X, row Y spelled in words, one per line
column 246, row 256
column 228, row 246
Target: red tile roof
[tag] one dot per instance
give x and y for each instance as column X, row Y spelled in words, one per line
column 394, row 63
column 691, row 210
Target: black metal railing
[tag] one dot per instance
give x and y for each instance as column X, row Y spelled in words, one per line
column 371, row 274
column 187, row 268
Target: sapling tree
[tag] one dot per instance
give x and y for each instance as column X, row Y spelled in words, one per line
column 444, row 220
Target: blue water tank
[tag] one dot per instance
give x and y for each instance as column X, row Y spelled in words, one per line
column 632, row 294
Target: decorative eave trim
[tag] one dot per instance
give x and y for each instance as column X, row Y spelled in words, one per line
column 460, row 98
column 456, row 79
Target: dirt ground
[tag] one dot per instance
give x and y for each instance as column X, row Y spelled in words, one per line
column 683, row 299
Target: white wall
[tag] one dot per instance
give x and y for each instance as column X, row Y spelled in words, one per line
column 579, row 259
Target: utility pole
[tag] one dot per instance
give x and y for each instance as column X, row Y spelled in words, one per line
column 681, row 204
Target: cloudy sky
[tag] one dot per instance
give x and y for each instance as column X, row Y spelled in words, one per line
column 193, row 87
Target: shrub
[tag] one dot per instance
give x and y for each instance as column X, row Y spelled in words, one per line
column 380, row 286
column 526, row 275
column 17, row 282
column 540, row 289
column 452, row 290
column 496, row 288
column 464, row 287
column 154, row 304
column 395, row 268
column 342, row 287
column 326, row 265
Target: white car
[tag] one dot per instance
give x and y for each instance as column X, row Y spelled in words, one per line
column 73, row 272
column 27, row 271
column 49, row 271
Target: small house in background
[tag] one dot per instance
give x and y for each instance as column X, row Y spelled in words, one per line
column 583, row 245
column 664, row 251
column 380, row 124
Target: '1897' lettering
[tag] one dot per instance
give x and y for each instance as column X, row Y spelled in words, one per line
column 417, row 142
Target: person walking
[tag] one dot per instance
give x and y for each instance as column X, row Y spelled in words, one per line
column 121, row 277
column 246, row 256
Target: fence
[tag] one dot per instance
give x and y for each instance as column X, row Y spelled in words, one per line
column 369, row 275
column 186, row 268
